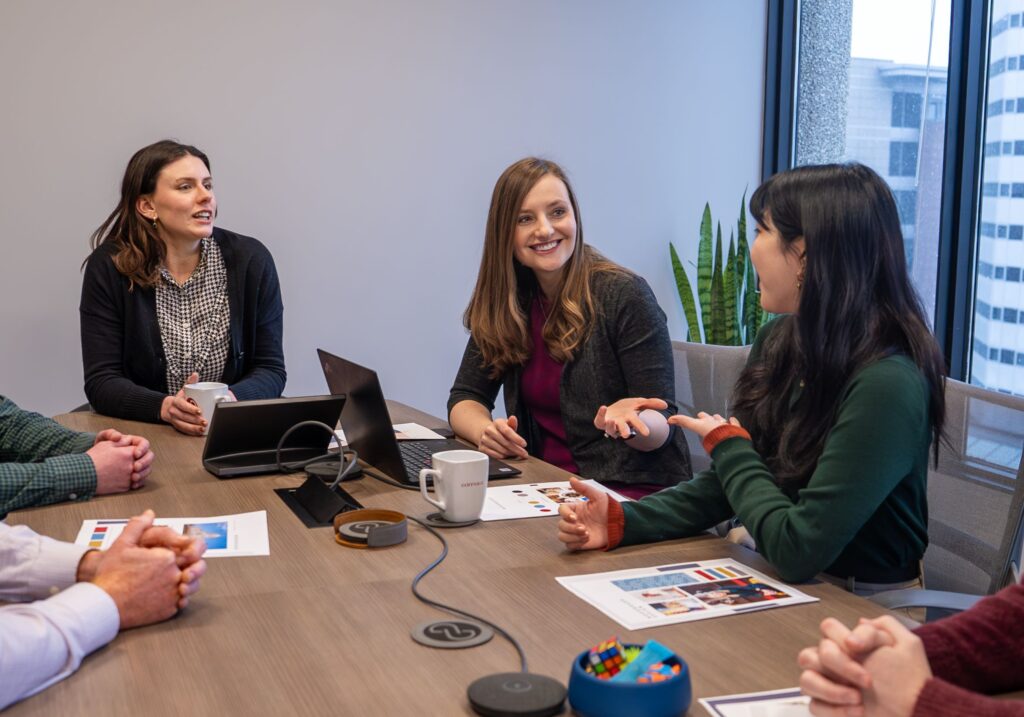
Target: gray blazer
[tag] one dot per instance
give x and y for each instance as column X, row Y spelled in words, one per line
column 628, row 353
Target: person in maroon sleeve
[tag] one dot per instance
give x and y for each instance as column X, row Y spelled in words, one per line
column 947, row 667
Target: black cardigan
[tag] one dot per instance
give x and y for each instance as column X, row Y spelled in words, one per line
column 628, row 353
column 122, row 351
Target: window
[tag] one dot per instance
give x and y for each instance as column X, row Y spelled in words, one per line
column 906, row 109
column 902, row 159
column 878, row 98
column 843, row 84
column 906, row 202
column 1006, row 41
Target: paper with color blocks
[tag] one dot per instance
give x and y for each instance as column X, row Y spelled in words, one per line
column 665, row 594
column 226, row 536
column 534, row 500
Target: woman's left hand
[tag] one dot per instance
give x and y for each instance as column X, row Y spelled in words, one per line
column 616, row 419
column 703, row 424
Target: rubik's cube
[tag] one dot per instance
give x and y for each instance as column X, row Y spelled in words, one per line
column 606, row 659
column 659, row 672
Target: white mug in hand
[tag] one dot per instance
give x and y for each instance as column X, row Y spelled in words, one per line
column 460, row 484
column 207, row 395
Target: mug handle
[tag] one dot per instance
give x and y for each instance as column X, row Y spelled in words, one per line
column 423, row 485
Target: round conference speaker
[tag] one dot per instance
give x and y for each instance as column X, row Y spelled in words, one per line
column 516, row 694
column 451, row 634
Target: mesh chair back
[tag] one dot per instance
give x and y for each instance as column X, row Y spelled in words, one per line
column 705, row 376
column 976, row 492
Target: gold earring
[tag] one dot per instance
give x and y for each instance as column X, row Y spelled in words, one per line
column 154, row 222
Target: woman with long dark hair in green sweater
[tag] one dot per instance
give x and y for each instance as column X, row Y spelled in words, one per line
column 825, row 460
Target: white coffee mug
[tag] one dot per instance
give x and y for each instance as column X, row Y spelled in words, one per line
column 207, row 395
column 460, row 484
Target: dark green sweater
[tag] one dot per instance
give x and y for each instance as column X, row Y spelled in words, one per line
column 864, row 511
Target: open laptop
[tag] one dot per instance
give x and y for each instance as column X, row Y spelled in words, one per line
column 243, row 435
column 369, row 431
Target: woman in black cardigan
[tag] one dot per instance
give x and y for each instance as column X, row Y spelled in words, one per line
column 168, row 299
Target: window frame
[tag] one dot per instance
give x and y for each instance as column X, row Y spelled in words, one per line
column 960, row 202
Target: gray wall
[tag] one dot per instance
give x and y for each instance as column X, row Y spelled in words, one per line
column 360, row 142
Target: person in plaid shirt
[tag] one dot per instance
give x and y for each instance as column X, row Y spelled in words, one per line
column 41, row 462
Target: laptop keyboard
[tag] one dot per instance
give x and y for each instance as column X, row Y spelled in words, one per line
column 416, row 456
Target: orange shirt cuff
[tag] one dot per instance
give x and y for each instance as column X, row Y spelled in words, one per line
column 726, row 430
column 616, row 524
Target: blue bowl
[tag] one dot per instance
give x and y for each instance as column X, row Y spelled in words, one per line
column 591, row 697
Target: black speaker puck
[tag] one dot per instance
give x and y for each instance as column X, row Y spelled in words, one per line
column 516, row 694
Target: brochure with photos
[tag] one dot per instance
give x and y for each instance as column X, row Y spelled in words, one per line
column 667, row 594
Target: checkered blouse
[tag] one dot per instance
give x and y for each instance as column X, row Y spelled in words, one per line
column 195, row 319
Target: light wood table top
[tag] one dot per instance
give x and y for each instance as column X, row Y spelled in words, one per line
column 315, row 628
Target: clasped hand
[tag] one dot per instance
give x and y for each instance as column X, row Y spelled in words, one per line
column 149, row 571
column 122, row 461
column 878, row 668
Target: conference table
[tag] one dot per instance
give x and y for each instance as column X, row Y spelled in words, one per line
column 316, row 628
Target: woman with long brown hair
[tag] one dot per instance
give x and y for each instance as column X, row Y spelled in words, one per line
column 169, row 299
column 574, row 340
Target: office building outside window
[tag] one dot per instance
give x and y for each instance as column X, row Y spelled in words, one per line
column 871, row 87
column 997, row 350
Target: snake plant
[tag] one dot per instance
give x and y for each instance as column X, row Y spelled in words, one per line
column 727, row 297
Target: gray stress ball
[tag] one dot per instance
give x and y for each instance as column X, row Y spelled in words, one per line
column 658, row 427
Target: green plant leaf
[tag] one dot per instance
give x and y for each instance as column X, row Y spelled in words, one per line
column 751, row 303
column 742, row 247
column 704, row 271
column 718, row 328
column 685, row 296
column 730, row 280
column 727, row 301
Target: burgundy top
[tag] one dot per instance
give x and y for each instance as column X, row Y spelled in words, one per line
column 978, row 650
column 542, row 377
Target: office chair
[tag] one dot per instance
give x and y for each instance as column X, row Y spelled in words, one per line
column 705, row 376
column 975, row 501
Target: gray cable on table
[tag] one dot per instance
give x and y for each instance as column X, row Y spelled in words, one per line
column 343, row 468
column 455, row 611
